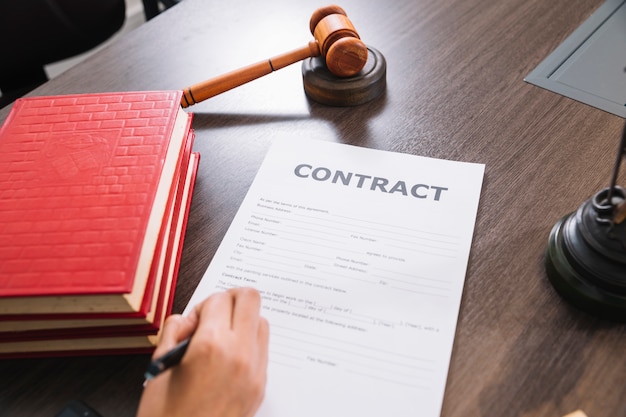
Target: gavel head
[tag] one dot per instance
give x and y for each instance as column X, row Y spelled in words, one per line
column 344, row 52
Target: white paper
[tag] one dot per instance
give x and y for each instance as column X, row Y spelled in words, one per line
column 361, row 280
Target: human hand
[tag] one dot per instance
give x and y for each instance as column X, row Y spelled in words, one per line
column 223, row 372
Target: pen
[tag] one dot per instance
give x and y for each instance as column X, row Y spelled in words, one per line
column 171, row 358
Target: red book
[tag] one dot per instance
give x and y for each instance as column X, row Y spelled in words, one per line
column 98, row 336
column 29, row 327
column 87, row 183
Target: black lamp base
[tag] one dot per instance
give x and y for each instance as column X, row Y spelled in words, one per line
column 586, row 258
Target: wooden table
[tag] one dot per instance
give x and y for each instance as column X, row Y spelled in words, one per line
column 455, row 91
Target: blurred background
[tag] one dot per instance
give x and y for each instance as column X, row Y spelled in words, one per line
column 135, row 16
column 40, row 39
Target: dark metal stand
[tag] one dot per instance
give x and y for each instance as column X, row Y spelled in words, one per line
column 586, row 254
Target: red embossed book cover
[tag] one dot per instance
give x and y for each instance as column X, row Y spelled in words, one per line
column 86, row 182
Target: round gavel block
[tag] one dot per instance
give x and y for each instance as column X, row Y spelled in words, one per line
column 326, row 88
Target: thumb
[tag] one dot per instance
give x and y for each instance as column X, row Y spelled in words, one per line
column 176, row 328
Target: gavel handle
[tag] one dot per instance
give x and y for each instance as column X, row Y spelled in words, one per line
column 214, row 86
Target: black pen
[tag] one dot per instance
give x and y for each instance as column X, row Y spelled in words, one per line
column 171, row 358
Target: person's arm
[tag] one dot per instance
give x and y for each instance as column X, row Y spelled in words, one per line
column 223, row 372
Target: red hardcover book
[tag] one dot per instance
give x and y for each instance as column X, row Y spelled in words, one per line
column 117, row 339
column 166, row 264
column 86, row 182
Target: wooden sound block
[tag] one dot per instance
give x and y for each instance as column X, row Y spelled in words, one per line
column 322, row 86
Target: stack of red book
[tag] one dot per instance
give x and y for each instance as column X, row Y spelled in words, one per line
column 94, row 195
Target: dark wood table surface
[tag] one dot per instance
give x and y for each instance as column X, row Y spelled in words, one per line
column 455, row 90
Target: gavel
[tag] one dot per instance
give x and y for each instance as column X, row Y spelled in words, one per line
column 336, row 40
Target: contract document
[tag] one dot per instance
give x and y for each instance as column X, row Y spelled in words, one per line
column 360, row 256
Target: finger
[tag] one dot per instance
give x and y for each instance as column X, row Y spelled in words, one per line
column 172, row 333
column 246, row 311
column 263, row 336
column 214, row 314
